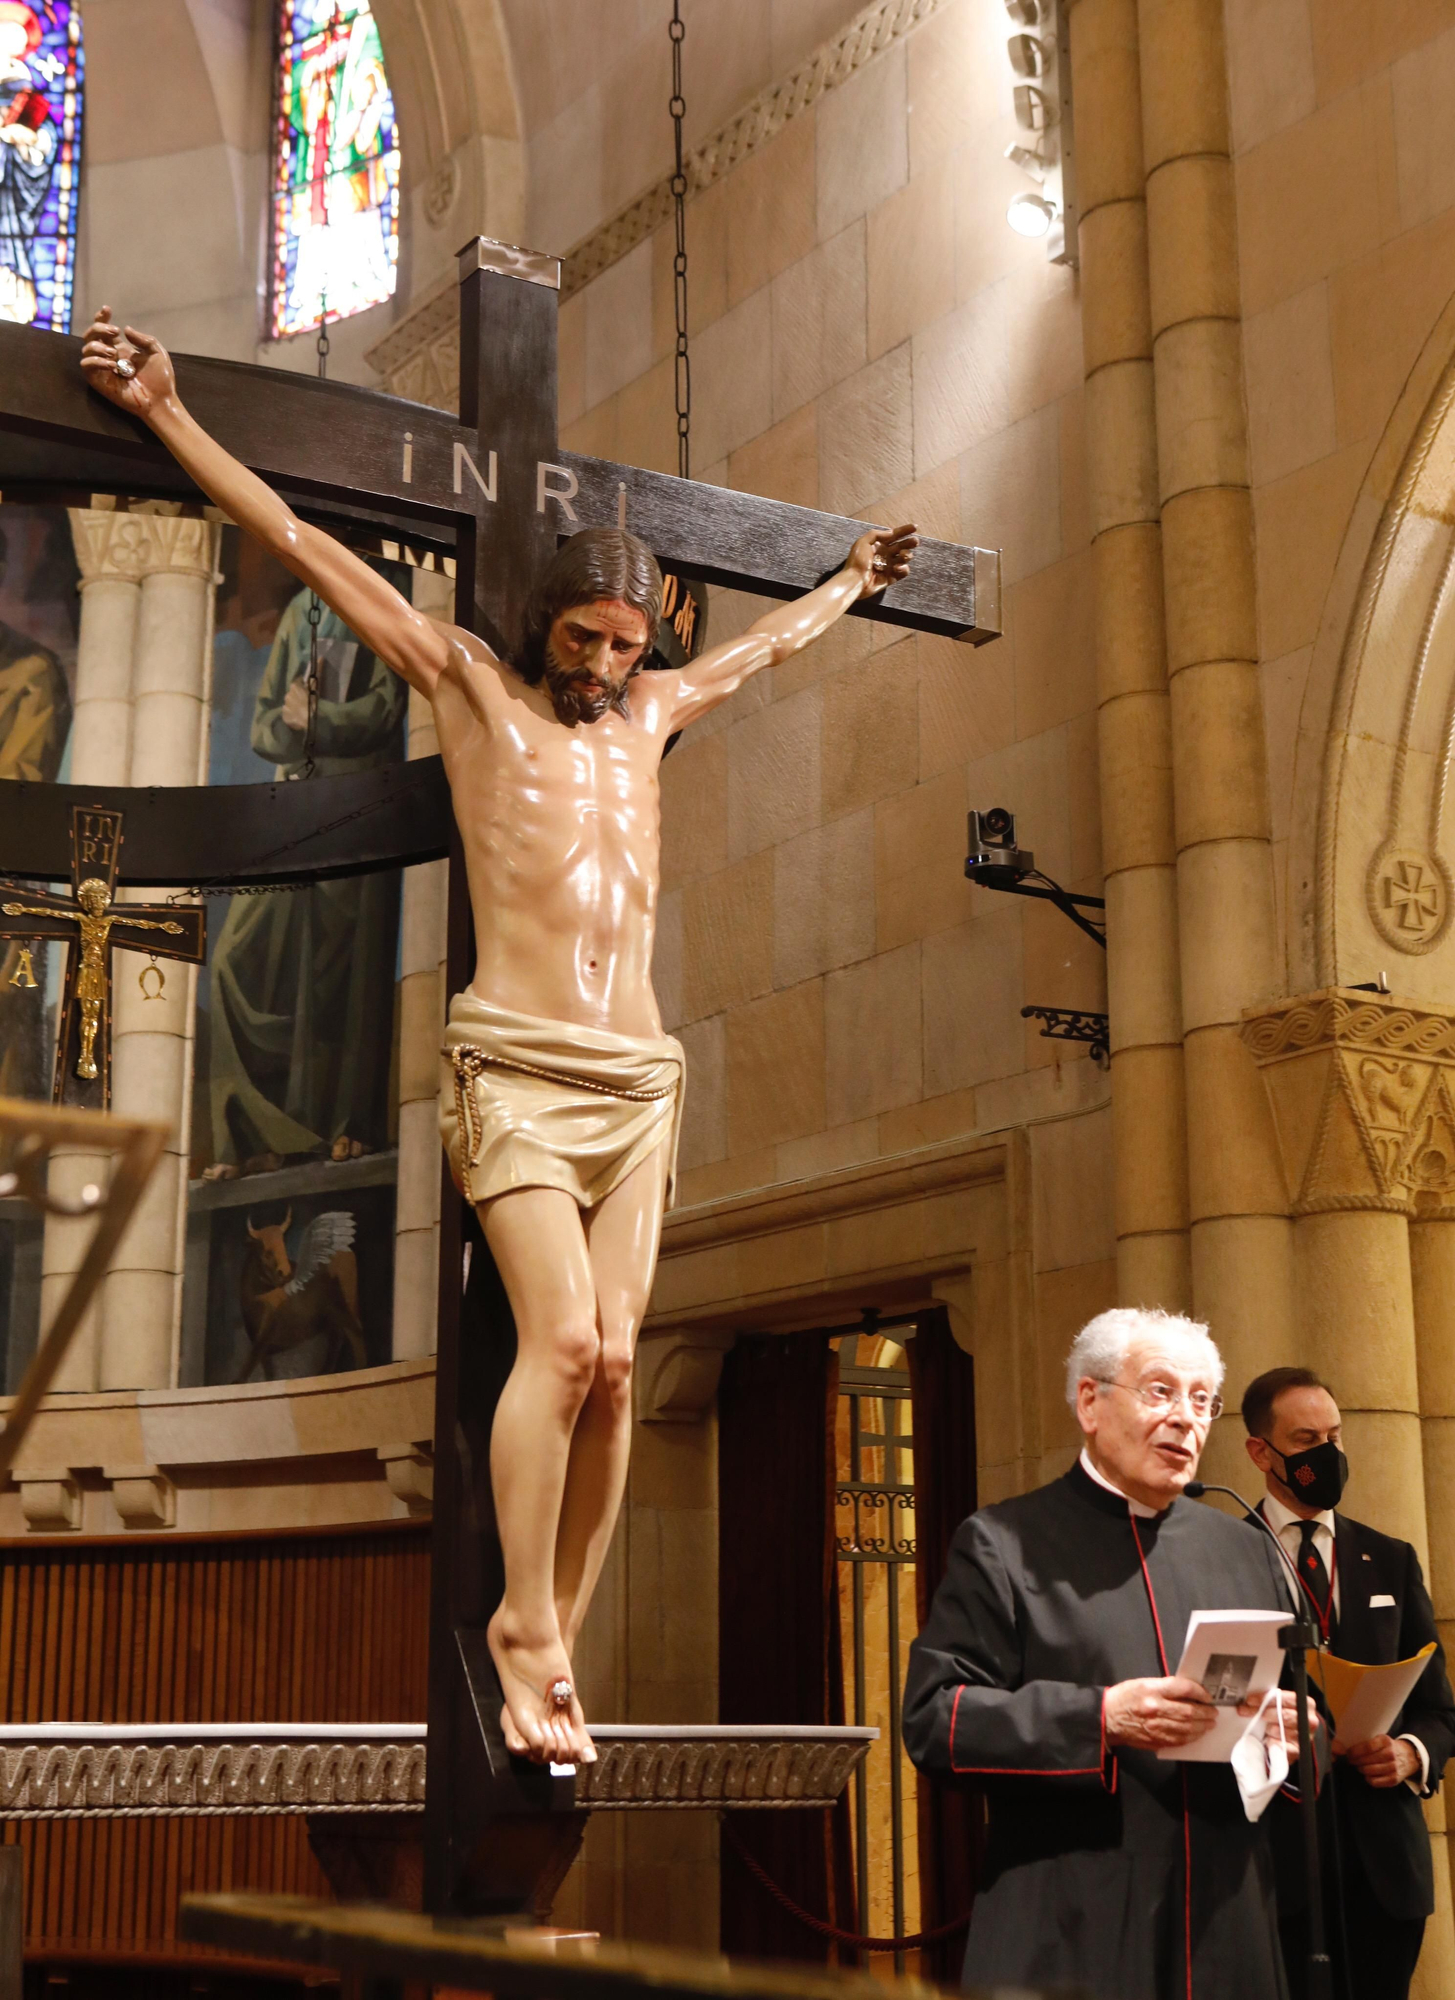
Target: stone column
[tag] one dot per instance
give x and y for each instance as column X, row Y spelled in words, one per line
column 142, row 685
column 1242, row 1240
column 1149, row 1122
column 421, row 1005
column 1432, row 1275
column 1352, row 1108
column 1362, row 1089
column 111, row 550
column 153, row 1039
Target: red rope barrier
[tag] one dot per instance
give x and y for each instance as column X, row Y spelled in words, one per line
column 761, row 1876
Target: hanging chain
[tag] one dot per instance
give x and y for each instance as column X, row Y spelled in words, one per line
column 683, row 376
column 315, row 609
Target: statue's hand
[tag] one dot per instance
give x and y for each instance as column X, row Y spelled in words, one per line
column 883, row 557
column 152, row 381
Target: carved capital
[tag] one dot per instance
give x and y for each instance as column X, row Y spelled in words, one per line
column 150, row 539
column 678, row 1374
column 1362, row 1087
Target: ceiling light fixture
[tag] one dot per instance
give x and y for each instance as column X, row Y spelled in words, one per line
column 1041, row 100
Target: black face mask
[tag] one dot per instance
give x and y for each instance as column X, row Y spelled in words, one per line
column 1317, row 1477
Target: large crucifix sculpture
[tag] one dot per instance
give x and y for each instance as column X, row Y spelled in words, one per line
column 500, row 480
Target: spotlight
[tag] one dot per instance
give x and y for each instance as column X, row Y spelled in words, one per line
column 1031, row 215
column 1027, row 55
column 1034, row 111
column 1040, row 61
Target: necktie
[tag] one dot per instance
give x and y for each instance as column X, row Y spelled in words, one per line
column 1312, row 1570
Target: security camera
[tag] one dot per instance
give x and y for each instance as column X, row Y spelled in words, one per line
column 994, row 859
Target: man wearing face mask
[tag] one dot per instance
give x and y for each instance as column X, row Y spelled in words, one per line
column 1367, row 1595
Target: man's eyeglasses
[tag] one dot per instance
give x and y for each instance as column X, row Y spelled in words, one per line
column 1164, row 1399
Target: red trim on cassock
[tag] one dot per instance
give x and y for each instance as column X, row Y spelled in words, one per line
column 1186, row 1815
column 1006, row 1771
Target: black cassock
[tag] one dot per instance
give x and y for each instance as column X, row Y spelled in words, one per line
column 1138, row 1879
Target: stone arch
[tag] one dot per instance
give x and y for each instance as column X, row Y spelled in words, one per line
column 1372, row 858
column 453, row 79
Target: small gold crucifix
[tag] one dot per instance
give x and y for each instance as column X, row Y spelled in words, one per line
column 94, row 926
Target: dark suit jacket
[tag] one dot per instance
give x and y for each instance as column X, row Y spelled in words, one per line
column 1382, row 1831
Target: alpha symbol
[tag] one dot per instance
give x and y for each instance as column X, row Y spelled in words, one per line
column 24, row 973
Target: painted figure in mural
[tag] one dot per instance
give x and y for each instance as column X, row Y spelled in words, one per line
column 303, row 982
column 29, row 140
column 563, row 1093
column 35, row 719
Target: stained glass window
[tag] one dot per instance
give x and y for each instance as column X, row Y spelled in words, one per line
column 336, row 166
column 41, row 70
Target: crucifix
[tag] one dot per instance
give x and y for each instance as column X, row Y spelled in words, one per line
column 94, row 926
column 496, row 486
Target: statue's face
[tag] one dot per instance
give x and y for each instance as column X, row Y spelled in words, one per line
column 92, row 897
column 592, row 651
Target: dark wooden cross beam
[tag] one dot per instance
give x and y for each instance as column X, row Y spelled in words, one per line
column 497, row 482
column 94, row 926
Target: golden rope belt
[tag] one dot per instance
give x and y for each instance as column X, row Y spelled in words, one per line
column 469, row 1063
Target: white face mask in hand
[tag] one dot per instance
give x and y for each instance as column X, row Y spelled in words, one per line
column 1260, row 1756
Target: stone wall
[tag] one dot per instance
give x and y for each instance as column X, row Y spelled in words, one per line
column 1346, row 232
column 868, row 336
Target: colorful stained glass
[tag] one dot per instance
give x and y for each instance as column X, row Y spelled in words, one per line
column 41, row 73
column 336, row 167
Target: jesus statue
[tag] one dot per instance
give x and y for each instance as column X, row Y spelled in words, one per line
column 563, row 1095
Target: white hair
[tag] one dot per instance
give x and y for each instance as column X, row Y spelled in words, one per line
column 1101, row 1347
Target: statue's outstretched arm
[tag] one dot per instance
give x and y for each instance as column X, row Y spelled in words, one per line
column 413, row 645
column 877, row 559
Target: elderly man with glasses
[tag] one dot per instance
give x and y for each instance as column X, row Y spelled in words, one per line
column 1045, row 1675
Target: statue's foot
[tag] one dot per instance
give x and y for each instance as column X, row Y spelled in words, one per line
column 220, row 1170
column 345, row 1148
column 542, row 1716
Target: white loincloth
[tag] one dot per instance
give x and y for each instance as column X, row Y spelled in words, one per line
column 552, row 1104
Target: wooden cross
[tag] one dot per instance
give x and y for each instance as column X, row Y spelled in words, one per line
column 94, row 926
column 495, row 487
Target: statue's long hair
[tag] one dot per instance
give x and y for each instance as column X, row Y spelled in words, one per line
column 597, row 563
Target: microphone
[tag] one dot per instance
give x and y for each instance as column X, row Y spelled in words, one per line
column 1194, row 1490
column 1294, row 1640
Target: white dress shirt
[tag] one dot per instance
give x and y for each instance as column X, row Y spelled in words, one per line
column 1288, row 1527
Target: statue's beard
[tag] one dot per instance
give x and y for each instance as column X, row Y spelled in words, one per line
column 576, row 697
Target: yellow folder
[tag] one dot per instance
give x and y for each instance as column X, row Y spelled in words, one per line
column 1364, row 1701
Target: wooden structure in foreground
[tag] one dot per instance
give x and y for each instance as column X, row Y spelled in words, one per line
column 380, row 1952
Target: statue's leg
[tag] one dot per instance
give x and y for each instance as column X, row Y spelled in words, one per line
column 622, row 1236
column 539, row 1246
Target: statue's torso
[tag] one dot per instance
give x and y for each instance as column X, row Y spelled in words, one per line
column 562, row 833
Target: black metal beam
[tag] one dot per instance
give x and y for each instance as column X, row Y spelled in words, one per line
column 216, row 835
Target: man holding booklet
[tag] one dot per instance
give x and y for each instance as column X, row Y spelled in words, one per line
column 1393, row 1728
column 1121, row 1858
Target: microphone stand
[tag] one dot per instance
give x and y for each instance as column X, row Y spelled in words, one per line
column 1296, row 1639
